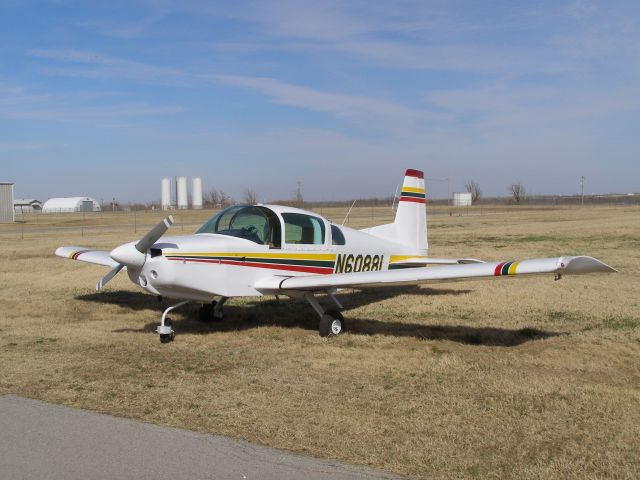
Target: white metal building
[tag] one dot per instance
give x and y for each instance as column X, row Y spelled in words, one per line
column 6, row 202
column 70, row 205
column 27, row 205
column 462, row 199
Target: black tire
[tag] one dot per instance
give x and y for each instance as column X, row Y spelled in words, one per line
column 217, row 318
column 167, row 337
column 205, row 314
column 331, row 324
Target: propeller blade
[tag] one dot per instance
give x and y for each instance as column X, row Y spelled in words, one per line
column 154, row 234
column 104, row 280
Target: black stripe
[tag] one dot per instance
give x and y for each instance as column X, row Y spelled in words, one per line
column 412, row 194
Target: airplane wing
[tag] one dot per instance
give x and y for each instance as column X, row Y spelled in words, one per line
column 88, row 255
column 558, row 266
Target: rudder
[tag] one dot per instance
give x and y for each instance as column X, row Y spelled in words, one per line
column 411, row 216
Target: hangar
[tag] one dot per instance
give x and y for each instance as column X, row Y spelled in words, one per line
column 70, row 205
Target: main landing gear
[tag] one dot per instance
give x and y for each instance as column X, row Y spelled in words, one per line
column 209, row 312
column 331, row 321
column 212, row 312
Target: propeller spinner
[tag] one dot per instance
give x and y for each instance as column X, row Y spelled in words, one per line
column 134, row 255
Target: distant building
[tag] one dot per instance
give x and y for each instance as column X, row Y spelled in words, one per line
column 6, row 203
column 70, row 205
column 27, row 205
column 462, row 199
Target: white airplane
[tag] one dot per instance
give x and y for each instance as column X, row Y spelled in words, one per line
column 252, row 250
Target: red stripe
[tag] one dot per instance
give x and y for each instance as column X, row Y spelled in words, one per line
column 412, row 199
column 414, row 173
column 498, row 271
column 272, row 266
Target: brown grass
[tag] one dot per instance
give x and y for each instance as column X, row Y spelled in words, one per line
column 525, row 378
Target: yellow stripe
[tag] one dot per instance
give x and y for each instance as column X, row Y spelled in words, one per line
column 71, row 255
column 400, row 258
column 512, row 268
column 293, row 256
column 413, row 189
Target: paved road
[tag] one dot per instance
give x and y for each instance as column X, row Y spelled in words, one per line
column 49, row 442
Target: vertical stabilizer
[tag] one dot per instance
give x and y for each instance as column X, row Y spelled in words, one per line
column 411, row 217
column 410, row 225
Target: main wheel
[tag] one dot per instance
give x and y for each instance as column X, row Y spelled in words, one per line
column 331, row 324
column 206, row 312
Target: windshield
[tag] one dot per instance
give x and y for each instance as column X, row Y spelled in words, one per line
column 258, row 224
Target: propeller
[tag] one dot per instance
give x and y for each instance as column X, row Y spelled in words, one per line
column 130, row 255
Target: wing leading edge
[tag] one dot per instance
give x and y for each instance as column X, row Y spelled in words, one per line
column 87, row 255
column 558, row 265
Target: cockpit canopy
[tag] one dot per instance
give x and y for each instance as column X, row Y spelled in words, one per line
column 255, row 223
column 262, row 225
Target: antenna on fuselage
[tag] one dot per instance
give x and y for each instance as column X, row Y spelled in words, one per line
column 393, row 204
column 345, row 218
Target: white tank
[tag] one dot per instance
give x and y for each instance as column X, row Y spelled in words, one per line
column 165, row 197
column 181, row 193
column 196, row 193
column 462, row 199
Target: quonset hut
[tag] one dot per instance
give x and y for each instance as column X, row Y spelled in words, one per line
column 70, row 205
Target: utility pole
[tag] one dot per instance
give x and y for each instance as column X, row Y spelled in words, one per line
column 582, row 190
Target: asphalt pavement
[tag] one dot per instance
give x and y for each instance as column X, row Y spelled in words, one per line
column 42, row 441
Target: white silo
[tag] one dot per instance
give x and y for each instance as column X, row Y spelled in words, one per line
column 181, row 193
column 165, row 197
column 196, row 193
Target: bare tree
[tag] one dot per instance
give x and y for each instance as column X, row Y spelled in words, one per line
column 250, row 196
column 213, row 198
column 219, row 199
column 473, row 188
column 225, row 199
column 298, row 199
column 517, row 191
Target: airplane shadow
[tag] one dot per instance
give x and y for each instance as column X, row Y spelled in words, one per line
column 292, row 313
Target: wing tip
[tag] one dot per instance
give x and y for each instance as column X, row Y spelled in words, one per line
column 585, row 264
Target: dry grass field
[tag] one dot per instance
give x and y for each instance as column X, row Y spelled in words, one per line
column 509, row 378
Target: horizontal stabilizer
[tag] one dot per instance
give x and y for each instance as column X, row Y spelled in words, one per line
column 88, row 255
column 444, row 273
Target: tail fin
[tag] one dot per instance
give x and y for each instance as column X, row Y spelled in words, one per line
column 411, row 216
column 410, row 225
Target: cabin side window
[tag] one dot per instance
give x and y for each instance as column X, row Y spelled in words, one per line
column 337, row 237
column 303, row 229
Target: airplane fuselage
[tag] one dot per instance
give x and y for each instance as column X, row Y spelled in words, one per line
column 199, row 267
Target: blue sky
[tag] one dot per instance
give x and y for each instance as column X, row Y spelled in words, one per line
column 106, row 98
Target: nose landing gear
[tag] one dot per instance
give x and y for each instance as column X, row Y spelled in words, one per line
column 165, row 329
